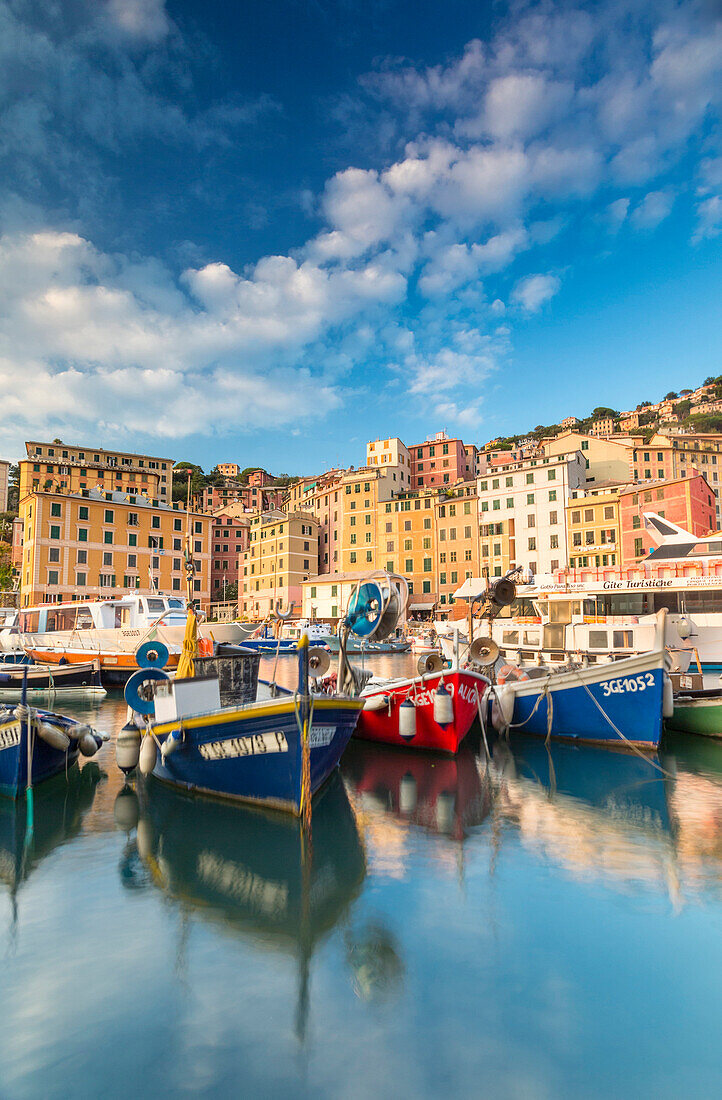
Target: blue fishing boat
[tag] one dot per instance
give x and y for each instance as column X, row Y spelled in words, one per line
column 251, row 752
column 35, row 745
column 619, row 703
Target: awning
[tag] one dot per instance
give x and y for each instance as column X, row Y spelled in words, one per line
column 418, row 603
column 471, row 589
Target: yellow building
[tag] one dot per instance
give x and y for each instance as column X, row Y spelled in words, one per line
column 408, row 543
column 593, row 528
column 363, row 494
column 59, row 468
column 456, row 520
column 229, row 469
column 391, row 452
column 282, row 553
column 90, row 544
column 606, row 459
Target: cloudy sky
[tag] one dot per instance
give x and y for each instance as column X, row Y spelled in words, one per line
column 273, row 230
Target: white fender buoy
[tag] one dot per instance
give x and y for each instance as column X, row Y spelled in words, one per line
column 148, row 755
column 445, row 805
column 126, row 810
column 502, row 708
column 376, row 702
column 667, row 697
column 407, row 720
column 127, row 750
column 144, row 838
column 87, row 744
column 56, row 738
column 173, row 741
column 78, row 730
column 443, row 705
column 408, row 794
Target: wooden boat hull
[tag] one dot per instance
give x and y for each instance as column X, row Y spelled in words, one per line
column 80, row 681
column 115, row 667
column 698, row 712
column 253, row 753
column 46, row 761
column 379, row 720
column 617, row 704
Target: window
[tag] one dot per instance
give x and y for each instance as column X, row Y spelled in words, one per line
column 54, row 532
column 54, row 555
column 108, row 538
column 55, row 509
column 510, row 502
column 408, row 566
column 108, row 558
column 551, row 475
column 531, row 520
column 638, row 547
column 133, row 562
column 496, row 505
column 82, row 557
column 52, row 576
column 530, row 498
column 352, row 555
column 577, row 538
column 554, row 542
column 585, row 444
column 532, row 544
column 553, row 518
column 108, row 515
column 609, row 512
column 636, row 522
column 589, row 515
column 552, row 495
column 530, row 479
column 81, row 579
column 82, row 512
column 82, row 534
column 133, row 540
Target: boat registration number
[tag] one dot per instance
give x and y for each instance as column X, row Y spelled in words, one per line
column 9, row 736
column 629, row 683
column 321, row 736
column 256, row 745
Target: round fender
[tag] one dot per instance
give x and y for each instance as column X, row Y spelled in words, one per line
column 133, row 687
column 152, row 655
column 511, row 673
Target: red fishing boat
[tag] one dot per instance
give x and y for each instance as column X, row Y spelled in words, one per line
column 432, row 711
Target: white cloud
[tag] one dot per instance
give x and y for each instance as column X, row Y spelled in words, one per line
column 653, row 209
column 532, row 292
column 709, row 218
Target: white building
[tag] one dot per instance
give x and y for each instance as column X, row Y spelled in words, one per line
column 522, row 512
column 327, row 597
column 391, row 452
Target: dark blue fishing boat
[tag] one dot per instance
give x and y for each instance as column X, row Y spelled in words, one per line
column 253, row 752
column 35, row 745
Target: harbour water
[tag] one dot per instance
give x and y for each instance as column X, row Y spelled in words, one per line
column 547, row 923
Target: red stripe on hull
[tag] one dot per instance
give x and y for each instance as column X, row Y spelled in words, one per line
column 382, row 726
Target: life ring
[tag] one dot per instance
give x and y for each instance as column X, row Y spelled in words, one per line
column 151, row 655
column 133, row 687
column 511, row 672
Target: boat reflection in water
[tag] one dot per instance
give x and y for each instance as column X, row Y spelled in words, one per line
column 601, row 814
column 60, row 805
column 442, row 794
column 251, row 871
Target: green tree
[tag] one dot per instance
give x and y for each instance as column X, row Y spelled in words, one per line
column 604, row 411
column 671, row 396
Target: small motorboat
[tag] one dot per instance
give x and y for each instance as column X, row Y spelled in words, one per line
column 368, row 646
column 697, row 711
column 426, row 642
column 76, row 682
column 36, row 745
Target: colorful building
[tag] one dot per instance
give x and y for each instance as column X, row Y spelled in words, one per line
column 391, row 453
column 90, row 544
column 687, row 501
column 282, row 553
column 439, row 462
column 407, row 542
column 57, row 467
column 457, row 538
column 229, row 469
column 4, row 485
column 593, row 528
column 229, row 540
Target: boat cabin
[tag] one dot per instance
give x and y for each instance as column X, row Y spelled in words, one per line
column 128, row 612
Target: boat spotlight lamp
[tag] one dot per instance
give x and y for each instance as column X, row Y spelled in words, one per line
column 365, row 609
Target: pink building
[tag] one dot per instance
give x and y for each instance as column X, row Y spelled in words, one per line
column 259, row 478
column 440, row 461
column 229, row 540
column 687, row 501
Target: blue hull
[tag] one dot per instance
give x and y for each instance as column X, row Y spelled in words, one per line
column 269, row 645
column 254, row 753
column 633, row 703
column 46, row 761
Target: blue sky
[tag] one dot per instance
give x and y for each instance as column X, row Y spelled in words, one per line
column 272, row 231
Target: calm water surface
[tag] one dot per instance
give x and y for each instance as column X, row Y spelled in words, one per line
column 548, row 924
